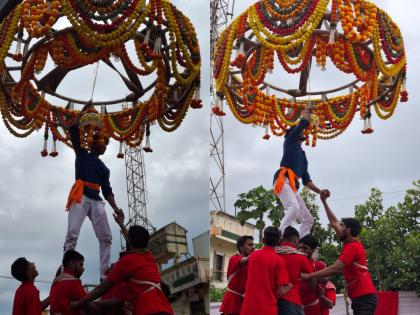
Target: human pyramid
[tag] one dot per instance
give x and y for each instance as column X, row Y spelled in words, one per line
column 130, row 286
column 283, row 277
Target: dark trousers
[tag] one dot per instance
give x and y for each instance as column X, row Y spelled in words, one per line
column 364, row 305
column 288, row 308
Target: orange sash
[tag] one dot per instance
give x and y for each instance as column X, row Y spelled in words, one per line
column 278, row 185
column 76, row 192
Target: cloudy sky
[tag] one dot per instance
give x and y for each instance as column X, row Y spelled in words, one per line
column 33, row 190
column 353, row 163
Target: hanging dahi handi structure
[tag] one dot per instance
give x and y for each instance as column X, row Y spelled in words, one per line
column 359, row 39
column 151, row 45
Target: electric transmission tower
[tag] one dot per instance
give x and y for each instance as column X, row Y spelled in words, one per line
column 220, row 12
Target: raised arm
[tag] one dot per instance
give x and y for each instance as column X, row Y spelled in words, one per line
column 74, row 129
column 334, row 222
column 119, row 218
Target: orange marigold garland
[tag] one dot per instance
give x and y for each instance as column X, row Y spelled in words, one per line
column 370, row 48
column 99, row 31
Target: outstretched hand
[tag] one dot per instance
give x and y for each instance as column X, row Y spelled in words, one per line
column 325, row 193
column 119, row 216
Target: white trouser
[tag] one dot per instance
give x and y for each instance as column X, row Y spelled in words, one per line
column 95, row 211
column 294, row 208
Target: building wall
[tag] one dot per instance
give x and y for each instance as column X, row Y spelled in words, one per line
column 225, row 230
column 201, row 244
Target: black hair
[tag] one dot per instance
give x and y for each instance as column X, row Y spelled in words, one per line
column 271, row 236
column 19, row 269
column 289, row 233
column 70, row 256
column 310, row 241
column 353, row 225
column 242, row 240
column 139, row 236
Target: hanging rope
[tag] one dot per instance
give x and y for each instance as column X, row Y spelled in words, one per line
column 94, row 80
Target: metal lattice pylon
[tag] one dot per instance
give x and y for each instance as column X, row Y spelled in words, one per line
column 220, row 11
column 136, row 189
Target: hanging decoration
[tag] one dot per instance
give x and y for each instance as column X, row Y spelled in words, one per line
column 154, row 41
column 359, row 39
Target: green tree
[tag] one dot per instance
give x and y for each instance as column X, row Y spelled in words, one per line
column 216, row 294
column 255, row 204
column 392, row 240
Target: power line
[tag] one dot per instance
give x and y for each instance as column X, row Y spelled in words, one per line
column 40, row 281
column 364, row 196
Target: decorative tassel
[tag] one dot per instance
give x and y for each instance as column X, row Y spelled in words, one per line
column 44, row 151
column 196, row 101
column 332, row 34
column 266, row 135
column 367, row 124
column 71, row 105
column 240, row 55
column 323, row 68
column 103, row 109
column 267, row 90
column 351, row 89
column 217, row 107
column 158, row 44
column 324, row 97
column 147, row 148
column 146, row 37
column 49, row 6
column 120, row 154
column 289, row 21
column 403, row 93
column 54, row 152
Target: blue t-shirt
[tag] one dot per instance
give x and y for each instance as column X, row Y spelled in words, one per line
column 90, row 168
column 293, row 155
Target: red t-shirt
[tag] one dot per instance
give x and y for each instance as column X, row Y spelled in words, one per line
column 296, row 263
column 121, row 292
column 232, row 302
column 65, row 289
column 141, row 267
column 329, row 294
column 26, row 300
column 266, row 273
column 310, row 294
column 359, row 280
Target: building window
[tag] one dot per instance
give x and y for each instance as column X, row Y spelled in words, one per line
column 218, row 266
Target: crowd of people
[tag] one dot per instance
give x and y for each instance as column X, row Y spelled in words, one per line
column 130, row 286
column 284, row 278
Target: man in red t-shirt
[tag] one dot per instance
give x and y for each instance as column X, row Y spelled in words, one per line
column 267, row 277
column 67, row 287
column 139, row 269
column 327, row 297
column 237, row 276
column 296, row 263
column 352, row 263
column 26, row 300
column 309, row 290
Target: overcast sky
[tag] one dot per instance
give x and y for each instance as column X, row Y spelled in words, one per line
column 33, row 190
column 353, row 163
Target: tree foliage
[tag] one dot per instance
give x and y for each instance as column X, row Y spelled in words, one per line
column 390, row 236
column 257, row 203
column 392, row 240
